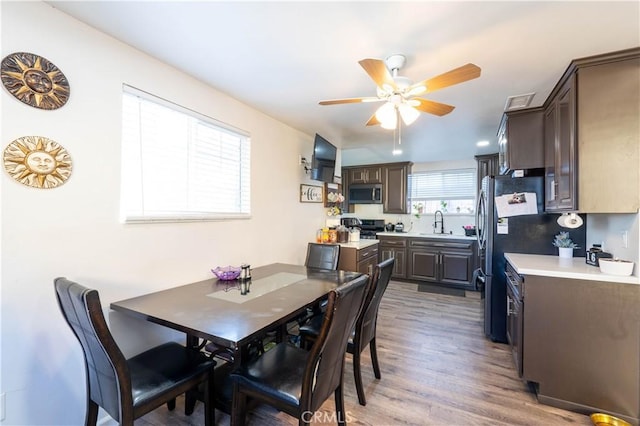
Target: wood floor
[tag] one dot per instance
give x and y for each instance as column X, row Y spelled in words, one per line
column 437, row 369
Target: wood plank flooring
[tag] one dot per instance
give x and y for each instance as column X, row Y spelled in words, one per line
column 437, row 369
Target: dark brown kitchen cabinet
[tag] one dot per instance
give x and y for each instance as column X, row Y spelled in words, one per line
column 592, row 128
column 395, row 247
column 487, row 165
column 447, row 262
column 358, row 260
column 560, row 151
column 581, row 344
column 521, row 140
column 608, row 130
column 368, row 174
column 394, row 185
column 394, row 178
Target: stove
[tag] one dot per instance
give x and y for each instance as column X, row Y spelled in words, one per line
column 370, row 227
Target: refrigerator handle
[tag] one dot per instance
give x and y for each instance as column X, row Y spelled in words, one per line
column 480, row 219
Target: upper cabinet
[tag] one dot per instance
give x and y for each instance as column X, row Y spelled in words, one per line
column 592, row 136
column 608, row 129
column 521, row 140
column 487, row 166
column 394, row 178
column 366, row 174
column 395, row 188
column 560, row 151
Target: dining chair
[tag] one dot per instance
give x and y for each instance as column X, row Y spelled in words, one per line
column 298, row 381
column 365, row 327
column 129, row 388
column 322, row 256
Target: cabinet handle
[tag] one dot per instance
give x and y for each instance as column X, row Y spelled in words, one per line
column 509, row 308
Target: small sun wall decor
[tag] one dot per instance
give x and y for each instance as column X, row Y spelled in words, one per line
column 38, row 162
column 34, row 80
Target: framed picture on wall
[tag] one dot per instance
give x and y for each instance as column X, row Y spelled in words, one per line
column 311, row 194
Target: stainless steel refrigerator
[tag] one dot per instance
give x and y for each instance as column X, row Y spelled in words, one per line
column 529, row 233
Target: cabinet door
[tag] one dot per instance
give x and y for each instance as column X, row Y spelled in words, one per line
column 525, row 139
column 550, row 158
column 367, row 265
column 374, row 174
column 456, row 267
column 395, row 190
column 424, row 265
column 487, row 165
column 566, row 149
column 358, row 175
column 399, row 267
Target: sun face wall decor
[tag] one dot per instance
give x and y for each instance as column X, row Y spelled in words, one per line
column 38, row 162
column 34, row 80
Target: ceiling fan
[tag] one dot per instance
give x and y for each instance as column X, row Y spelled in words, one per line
column 399, row 93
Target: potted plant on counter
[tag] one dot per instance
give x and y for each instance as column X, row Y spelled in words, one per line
column 565, row 245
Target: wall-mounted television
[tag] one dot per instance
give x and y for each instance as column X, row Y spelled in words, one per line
column 323, row 162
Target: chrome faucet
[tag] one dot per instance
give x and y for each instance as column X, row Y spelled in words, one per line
column 436, row 221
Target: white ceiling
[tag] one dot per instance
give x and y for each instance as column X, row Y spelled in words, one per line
column 284, row 57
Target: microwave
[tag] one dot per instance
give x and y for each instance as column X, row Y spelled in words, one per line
column 365, row 193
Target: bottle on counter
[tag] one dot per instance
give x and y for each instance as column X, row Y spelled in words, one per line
column 333, row 235
column 325, row 235
column 343, row 234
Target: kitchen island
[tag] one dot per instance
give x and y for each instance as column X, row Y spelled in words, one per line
column 358, row 256
column 575, row 334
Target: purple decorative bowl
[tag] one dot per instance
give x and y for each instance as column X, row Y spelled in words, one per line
column 226, row 273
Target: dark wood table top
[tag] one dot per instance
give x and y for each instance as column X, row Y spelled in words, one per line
column 217, row 311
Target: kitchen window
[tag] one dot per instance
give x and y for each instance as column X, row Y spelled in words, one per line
column 451, row 191
column 179, row 165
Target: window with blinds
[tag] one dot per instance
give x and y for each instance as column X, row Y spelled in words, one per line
column 452, row 191
column 178, row 165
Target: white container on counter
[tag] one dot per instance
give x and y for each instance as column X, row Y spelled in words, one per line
column 615, row 267
column 354, row 235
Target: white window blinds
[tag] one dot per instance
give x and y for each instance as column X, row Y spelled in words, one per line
column 180, row 165
column 443, row 185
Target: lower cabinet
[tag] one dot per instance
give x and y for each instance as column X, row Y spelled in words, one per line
column 362, row 260
column 395, row 247
column 448, row 262
column 581, row 344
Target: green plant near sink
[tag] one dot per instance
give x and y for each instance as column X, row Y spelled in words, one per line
column 419, row 208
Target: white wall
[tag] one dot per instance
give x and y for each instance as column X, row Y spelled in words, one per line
column 73, row 230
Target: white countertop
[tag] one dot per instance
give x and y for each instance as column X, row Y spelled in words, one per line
column 363, row 243
column 554, row 266
column 425, row 235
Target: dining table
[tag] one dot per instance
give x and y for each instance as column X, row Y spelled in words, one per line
column 232, row 314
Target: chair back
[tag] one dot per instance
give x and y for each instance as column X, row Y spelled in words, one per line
column 108, row 380
column 322, row 256
column 365, row 329
column 325, row 364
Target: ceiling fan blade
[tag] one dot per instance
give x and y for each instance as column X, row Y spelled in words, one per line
column 350, row 101
column 378, row 72
column 373, row 121
column 455, row 76
column 432, row 107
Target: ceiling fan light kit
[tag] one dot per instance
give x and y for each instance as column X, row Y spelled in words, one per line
column 397, row 92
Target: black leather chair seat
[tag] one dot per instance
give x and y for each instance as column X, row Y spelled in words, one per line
column 278, row 373
column 163, row 368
